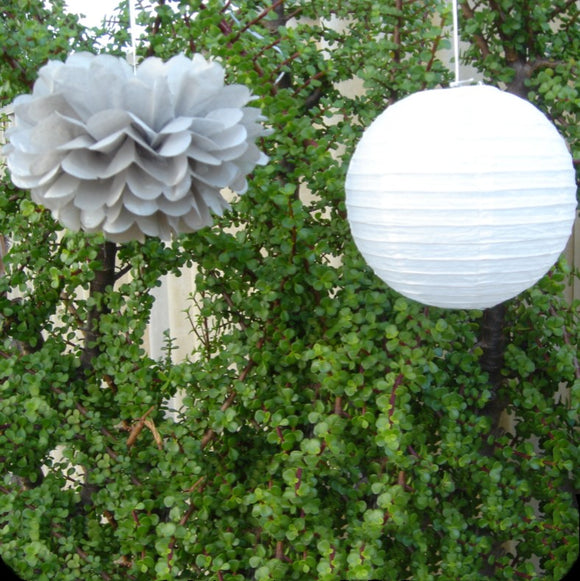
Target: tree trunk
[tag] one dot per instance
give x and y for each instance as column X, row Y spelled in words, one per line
column 104, row 277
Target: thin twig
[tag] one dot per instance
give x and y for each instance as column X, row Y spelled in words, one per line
column 136, row 430
column 559, row 11
column 258, row 18
column 210, row 433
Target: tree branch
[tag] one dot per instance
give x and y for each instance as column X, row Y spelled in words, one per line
column 104, row 278
column 397, row 31
column 479, row 40
column 275, row 6
column 155, row 29
column 500, row 19
column 559, row 11
column 493, row 344
column 210, row 433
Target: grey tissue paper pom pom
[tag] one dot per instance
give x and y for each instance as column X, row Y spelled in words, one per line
column 133, row 153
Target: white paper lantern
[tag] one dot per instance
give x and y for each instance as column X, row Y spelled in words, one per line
column 461, row 198
column 133, row 153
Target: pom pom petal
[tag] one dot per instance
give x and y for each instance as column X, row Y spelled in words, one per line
column 134, row 154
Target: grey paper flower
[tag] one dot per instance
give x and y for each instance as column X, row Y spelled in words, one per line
column 133, row 153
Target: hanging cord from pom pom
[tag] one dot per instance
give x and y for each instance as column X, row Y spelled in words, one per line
column 457, row 82
column 133, row 32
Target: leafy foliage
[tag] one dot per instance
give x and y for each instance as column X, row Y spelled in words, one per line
column 534, row 49
column 28, row 39
column 330, row 429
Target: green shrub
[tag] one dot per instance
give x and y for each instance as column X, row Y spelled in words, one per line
column 331, row 429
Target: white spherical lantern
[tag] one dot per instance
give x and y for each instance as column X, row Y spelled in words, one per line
column 461, row 198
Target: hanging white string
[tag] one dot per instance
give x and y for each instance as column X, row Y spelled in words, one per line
column 133, row 32
column 231, row 8
column 456, row 43
column 458, row 82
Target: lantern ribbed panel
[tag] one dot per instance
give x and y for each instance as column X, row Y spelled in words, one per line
column 461, row 198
